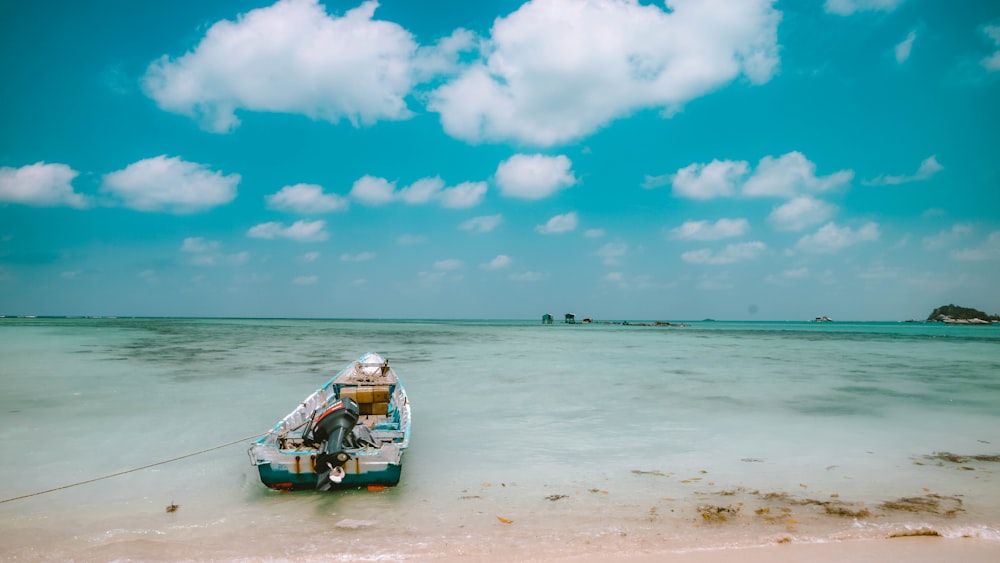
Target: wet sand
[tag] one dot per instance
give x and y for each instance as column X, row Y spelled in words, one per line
column 909, row 550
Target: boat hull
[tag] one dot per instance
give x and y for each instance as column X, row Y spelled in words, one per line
column 283, row 478
column 286, row 458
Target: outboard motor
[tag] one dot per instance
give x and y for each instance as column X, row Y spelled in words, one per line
column 331, row 430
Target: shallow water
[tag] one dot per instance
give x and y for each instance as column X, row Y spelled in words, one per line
column 528, row 440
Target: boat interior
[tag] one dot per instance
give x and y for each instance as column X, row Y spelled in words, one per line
column 373, row 387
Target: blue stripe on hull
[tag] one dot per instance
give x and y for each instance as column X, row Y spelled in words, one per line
column 277, row 478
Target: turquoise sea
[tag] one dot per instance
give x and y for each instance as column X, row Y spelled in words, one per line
column 529, row 441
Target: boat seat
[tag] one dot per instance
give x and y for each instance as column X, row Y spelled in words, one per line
column 374, row 422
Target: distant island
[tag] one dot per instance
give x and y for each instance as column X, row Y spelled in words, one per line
column 953, row 314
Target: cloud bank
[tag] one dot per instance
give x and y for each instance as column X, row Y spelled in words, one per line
column 788, row 175
column 551, row 72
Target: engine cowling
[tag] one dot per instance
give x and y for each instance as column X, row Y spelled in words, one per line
column 331, row 430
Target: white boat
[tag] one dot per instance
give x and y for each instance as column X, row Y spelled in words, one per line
column 352, row 432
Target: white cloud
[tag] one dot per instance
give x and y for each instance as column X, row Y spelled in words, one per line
column 904, row 47
column 374, row 191
column 928, row 168
column 237, row 259
column 800, row 213
column 206, row 253
column 359, row 257
column 738, row 252
column 785, row 176
column 848, row 7
column 992, row 62
column 795, row 274
column 703, row 230
column 612, row 252
column 483, row 224
column 371, row 190
column 534, row 176
column 718, row 178
column 789, row 175
column 432, row 277
column 291, row 57
column 651, row 182
column 301, row 231
column 498, row 263
column 171, row 185
column 464, row 195
column 443, row 58
column 594, row 233
column 199, row 245
column 558, row 224
column 422, row 191
column 557, row 70
column 40, row 185
column 831, row 238
column 635, row 282
column 448, row 264
column 309, row 257
column 306, row 280
column 988, row 250
column 527, row 277
column 306, row 199
column 947, row 238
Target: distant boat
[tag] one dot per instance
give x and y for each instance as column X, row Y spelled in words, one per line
column 823, row 319
column 352, row 432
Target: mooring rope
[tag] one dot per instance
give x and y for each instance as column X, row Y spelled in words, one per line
column 133, row 470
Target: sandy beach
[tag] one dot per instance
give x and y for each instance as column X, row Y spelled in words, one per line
column 910, row 550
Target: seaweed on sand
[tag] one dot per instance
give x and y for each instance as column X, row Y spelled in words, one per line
column 712, row 513
column 922, row 532
column 956, row 458
column 835, row 508
column 930, row 504
column 841, row 509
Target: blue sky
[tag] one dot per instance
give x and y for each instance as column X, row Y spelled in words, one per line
column 729, row 159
